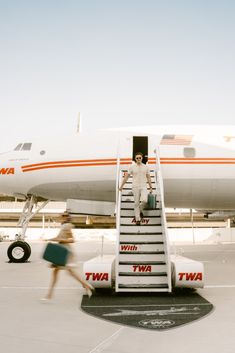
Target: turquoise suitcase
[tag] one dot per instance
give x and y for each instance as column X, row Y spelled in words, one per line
column 151, row 202
column 56, row 254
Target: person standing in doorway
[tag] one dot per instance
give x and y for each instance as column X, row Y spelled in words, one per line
column 141, row 175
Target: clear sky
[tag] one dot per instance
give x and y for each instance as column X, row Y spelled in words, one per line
column 120, row 63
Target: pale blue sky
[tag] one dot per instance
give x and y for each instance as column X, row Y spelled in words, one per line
column 123, row 62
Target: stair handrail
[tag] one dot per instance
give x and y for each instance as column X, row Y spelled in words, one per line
column 159, row 181
column 117, row 206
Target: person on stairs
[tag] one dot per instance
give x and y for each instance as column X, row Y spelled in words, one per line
column 141, row 175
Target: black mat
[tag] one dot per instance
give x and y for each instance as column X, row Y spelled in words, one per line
column 155, row 311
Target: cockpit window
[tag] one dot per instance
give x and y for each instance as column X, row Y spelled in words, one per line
column 23, row 146
column 18, row 147
column 26, row 147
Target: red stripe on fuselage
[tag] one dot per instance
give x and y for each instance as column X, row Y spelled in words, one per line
column 123, row 161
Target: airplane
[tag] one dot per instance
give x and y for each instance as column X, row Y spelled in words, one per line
column 198, row 171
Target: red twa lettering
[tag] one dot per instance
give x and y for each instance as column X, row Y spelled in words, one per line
column 198, row 277
column 191, row 276
column 142, row 268
column 97, row 276
column 5, row 171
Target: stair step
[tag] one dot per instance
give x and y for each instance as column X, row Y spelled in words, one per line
column 130, row 198
column 141, row 242
column 129, row 188
column 145, row 222
column 131, row 201
column 150, row 170
column 143, row 274
column 139, row 234
column 142, row 268
column 141, row 248
column 145, row 216
column 131, row 238
column 139, row 286
column 127, row 191
column 142, row 280
column 139, row 258
column 130, row 220
column 130, row 179
column 141, row 229
column 142, row 252
column 142, row 263
column 147, row 213
column 151, row 174
column 130, row 206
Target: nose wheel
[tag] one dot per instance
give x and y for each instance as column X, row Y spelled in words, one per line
column 19, row 251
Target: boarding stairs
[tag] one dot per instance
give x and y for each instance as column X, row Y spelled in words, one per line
column 142, row 257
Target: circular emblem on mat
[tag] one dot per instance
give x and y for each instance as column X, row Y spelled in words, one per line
column 156, row 323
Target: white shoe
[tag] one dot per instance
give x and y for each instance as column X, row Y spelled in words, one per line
column 90, row 290
column 45, row 300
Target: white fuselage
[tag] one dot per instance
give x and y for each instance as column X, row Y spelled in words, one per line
column 85, row 167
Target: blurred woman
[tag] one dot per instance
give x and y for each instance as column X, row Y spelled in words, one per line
column 66, row 238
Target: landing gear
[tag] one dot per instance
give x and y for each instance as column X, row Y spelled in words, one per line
column 19, row 250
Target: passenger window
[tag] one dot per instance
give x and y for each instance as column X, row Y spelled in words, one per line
column 18, row 147
column 189, row 152
column 26, row 147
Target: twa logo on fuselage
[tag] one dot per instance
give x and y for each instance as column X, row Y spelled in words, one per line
column 7, row 171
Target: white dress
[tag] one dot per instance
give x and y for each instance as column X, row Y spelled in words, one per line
column 64, row 235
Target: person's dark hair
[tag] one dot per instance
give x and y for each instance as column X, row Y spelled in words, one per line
column 139, row 154
column 66, row 217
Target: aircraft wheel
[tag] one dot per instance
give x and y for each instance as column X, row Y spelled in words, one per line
column 19, row 251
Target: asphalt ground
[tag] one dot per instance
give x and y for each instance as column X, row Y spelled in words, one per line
column 27, row 325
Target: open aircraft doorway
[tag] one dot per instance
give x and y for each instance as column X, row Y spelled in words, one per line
column 140, row 144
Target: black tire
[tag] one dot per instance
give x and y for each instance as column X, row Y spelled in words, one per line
column 19, row 251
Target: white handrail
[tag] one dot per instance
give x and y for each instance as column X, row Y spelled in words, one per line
column 118, row 171
column 118, row 203
column 159, row 181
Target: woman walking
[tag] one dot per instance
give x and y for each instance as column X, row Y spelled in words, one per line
column 66, row 238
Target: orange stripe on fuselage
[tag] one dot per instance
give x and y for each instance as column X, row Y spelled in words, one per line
column 197, row 162
column 205, row 159
column 123, row 161
column 69, row 165
column 73, row 161
column 81, row 163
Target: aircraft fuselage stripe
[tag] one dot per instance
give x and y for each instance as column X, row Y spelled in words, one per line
column 123, row 161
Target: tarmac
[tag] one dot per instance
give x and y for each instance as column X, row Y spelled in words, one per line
column 27, row 325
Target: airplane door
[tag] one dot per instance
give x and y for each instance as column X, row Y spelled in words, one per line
column 140, row 144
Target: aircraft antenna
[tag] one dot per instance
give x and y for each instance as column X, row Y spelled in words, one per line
column 79, row 123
